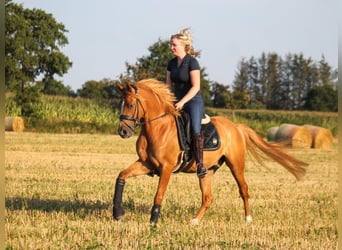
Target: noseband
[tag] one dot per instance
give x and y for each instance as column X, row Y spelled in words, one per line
column 135, row 118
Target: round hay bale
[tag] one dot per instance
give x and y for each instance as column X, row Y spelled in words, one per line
column 271, row 132
column 15, row 124
column 294, row 136
column 322, row 138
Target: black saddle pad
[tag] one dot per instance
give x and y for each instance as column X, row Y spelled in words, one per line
column 211, row 136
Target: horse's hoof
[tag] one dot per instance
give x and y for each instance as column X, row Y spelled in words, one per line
column 153, row 224
column 117, row 218
column 118, row 213
column 194, row 222
column 249, row 219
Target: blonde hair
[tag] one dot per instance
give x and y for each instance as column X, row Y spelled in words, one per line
column 186, row 38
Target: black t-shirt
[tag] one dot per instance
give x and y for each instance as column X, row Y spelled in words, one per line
column 180, row 76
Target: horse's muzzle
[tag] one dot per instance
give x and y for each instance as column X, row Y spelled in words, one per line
column 125, row 132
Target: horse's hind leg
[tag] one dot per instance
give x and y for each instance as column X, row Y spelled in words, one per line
column 207, row 196
column 159, row 196
column 237, row 170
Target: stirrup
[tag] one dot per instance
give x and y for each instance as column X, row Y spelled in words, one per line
column 201, row 172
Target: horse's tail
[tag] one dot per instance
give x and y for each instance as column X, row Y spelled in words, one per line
column 273, row 151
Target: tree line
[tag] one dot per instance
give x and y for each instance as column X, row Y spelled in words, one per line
column 33, row 42
column 290, row 83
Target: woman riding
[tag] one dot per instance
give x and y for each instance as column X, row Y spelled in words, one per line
column 183, row 76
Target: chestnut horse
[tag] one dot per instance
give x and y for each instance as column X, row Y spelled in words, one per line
column 150, row 105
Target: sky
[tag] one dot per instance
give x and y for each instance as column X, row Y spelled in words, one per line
column 103, row 36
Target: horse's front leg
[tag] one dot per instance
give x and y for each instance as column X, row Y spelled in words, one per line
column 158, row 199
column 136, row 169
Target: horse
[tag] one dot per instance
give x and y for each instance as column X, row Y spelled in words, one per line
column 149, row 104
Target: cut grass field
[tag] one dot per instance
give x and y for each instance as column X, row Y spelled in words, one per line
column 59, row 191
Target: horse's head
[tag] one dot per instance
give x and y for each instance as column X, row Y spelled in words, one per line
column 130, row 113
column 143, row 103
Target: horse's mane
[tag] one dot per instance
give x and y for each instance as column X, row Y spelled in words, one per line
column 162, row 93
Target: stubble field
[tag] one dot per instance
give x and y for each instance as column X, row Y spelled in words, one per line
column 59, row 191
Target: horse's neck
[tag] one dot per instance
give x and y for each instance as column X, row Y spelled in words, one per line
column 157, row 130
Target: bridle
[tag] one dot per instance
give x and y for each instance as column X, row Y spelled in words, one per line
column 135, row 118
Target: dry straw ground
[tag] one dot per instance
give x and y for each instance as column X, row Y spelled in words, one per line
column 59, row 196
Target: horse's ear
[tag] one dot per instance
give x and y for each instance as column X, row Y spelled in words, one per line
column 119, row 86
column 129, row 84
column 131, row 87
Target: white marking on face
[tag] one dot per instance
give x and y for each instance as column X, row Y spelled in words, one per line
column 122, row 106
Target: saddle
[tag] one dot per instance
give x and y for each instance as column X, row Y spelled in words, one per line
column 211, row 138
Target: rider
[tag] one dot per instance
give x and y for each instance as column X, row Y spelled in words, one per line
column 183, row 75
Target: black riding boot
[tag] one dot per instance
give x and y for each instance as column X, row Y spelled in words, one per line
column 198, row 149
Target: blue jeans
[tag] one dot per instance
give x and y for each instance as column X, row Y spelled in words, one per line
column 195, row 108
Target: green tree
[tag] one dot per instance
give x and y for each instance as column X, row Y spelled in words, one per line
column 262, row 63
column 93, row 90
column 32, row 49
column 151, row 66
column 102, row 91
column 220, row 95
column 322, row 98
column 205, row 88
column 273, row 82
column 325, row 72
column 55, row 87
column 254, row 85
column 28, row 99
column 300, row 75
column 286, row 82
column 240, row 86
